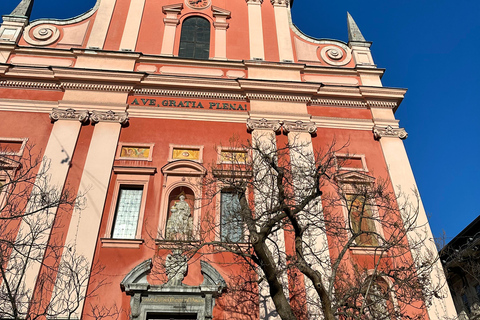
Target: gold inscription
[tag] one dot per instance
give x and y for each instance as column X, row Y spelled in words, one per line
column 173, row 300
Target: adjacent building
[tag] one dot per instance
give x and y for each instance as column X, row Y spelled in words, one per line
column 460, row 258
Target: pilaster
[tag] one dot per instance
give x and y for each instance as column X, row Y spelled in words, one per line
column 132, row 25
column 171, row 21
column 264, row 143
column 420, row 236
column 221, row 26
column 56, row 159
column 85, row 223
column 255, row 29
column 101, row 24
column 284, row 38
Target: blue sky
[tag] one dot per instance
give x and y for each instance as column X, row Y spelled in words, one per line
column 428, row 46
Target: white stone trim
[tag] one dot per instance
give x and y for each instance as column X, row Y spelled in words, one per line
column 132, row 25
column 361, row 157
column 101, row 24
column 343, row 123
column 20, row 151
column 140, row 180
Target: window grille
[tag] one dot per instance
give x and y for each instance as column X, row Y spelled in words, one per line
column 195, row 38
column 231, row 227
column 127, row 211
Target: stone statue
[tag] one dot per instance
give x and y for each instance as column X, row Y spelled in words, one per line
column 379, row 307
column 180, row 223
column 176, row 267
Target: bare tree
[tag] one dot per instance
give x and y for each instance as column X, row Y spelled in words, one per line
column 316, row 239
column 30, row 207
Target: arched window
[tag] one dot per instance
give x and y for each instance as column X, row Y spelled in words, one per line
column 195, row 38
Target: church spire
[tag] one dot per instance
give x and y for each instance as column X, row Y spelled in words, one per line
column 24, row 9
column 354, row 34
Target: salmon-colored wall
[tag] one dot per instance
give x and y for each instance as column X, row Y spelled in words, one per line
column 339, row 112
column 152, row 28
column 119, row 261
column 269, row 33
column 31, row 94
column 64, row 214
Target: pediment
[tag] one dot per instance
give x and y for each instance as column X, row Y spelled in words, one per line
column 184, row 167
column 220, row 12
column 354, row 177
column 177, row 7
column 8, row 164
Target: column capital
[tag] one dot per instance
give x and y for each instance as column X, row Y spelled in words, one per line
column 263, row 124
column 220, row 25
column 280, row 3
column 109, row 116
column 69, row 114
column 389, row 131
column 299, row 126
column 254, row 1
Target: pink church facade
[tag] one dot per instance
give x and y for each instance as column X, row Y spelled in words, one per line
column 125, row 103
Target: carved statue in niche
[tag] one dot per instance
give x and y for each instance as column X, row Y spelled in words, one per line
column 180, row 223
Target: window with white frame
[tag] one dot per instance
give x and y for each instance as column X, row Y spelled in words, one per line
column 125, row 218
column 231, row 225
column 127, row 212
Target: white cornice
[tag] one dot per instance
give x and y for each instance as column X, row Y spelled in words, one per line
column 27, row 105
column 343, row 123
column 279, row 87
column 216, row 84
column 30, row 85
column 339, row 102
column 96, row 87
column 97, row 75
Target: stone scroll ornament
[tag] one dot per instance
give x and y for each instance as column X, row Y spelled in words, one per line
column 109, row 116
column 69, row 114
column 299, row 126
column 41, row 35
column 264, row 124
column 389, row 131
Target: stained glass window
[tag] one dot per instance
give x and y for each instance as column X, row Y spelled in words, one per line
column 127, row 211
column 195, row 38
column 231, row 227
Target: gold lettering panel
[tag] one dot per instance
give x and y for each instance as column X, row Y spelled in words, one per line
column 186, row 154
column 135, row 152
column 233, row 156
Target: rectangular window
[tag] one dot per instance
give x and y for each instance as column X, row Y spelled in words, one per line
column 351, row 162
column 231, row 226
column 362, row 220
column 127, row 212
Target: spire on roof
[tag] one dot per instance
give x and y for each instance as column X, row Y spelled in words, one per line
column 24, row 9
column 354, row 34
